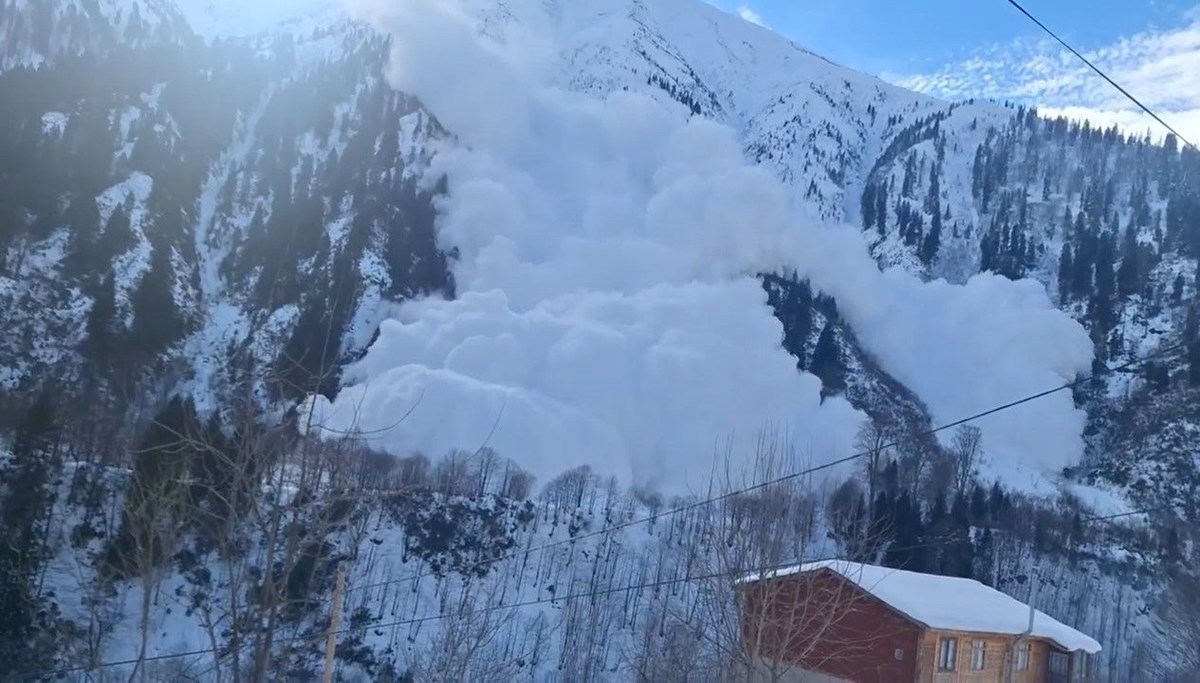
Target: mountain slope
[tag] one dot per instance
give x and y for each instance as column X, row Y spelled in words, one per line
column 38, row 32
column 246, row 209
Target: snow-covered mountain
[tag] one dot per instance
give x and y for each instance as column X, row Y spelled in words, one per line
column 37, row 32
column 602, row 235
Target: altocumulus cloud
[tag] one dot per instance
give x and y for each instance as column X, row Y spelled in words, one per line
column 1160, row 67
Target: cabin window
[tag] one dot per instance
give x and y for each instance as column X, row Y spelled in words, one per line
column 978, row 653
column 1081, row 666
column 1058, row 663
column 947, row 654
column 1023, row 656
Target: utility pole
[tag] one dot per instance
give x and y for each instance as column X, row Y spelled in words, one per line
column 335, row 617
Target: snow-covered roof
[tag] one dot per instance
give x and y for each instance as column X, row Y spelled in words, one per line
column 947, row 603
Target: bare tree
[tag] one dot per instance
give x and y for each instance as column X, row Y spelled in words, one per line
column 150, row 533
column 568, row 490
column 967, row 454
column 739, row 615
column 474, row 639
column 873, row 439
column 414, row 471
column 849, row 520
column 517, row 483
column 1178, row 639
column 917, row 452
column 454, row 474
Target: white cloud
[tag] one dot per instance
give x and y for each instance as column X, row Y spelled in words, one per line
column 607, row 309
column 1159, row 67
column 750, row 15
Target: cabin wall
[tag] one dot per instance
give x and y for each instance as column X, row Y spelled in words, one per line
column 994, row 664
column 822, row 623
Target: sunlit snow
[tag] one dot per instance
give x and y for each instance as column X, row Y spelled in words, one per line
column 608, row 312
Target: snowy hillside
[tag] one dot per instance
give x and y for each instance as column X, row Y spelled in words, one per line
column 386, row 265
column 38, row 32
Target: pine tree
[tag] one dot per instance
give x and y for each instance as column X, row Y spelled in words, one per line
column 101, row 319
column 1104, row 275
column 1191, row 334
column 960, row 555
column 904, row 551
column 163, row 453
column 977, row 172
column 1082, row 273
column 984, row 568
column 933, row 200
column 979, row 506
column 1128, row 276
column 999, row 506
column 25, row 622
column 827, row 362
column 881, row 204
column 157, row 322
column 868, row 206
column 1066, row 269
column 117, row 236
column 791, row 300
column 933, row 241
column 83, row 216
column 910, row 176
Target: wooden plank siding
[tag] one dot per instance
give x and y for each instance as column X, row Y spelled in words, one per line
column 820, row 627
column 995, row 660
column 821, row 623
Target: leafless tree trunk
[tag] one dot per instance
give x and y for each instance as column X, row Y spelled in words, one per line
column 1178, row 641
column 152, row 518
column 968, row 456
column 737, row 624
column 470, row 641
column 873, row 439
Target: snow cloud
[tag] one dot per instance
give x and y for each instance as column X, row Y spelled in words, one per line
column 1160, row 67
column 608, row 312
column 750, row 15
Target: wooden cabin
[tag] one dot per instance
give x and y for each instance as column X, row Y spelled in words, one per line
column 828, row 622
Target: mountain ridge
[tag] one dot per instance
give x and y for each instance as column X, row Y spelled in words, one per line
column 252, row 253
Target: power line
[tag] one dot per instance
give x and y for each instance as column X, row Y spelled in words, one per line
column 674, row 511
column 1131, row 513
column 663, row 583
column 314, row 638
column 795, row 475
column 108, row 665
column 1099, row 71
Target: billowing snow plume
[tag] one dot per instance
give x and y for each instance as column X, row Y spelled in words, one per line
column 608, row 312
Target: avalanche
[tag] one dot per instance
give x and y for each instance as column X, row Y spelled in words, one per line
column 608, row 312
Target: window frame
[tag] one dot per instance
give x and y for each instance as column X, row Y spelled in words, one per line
column 1059, row 663
column 1081, row 665
column 1024, row 655
column 947, row 654
column 978, row 654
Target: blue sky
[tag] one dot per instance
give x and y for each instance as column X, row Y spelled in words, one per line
column 985, row 48
column 906, row 35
